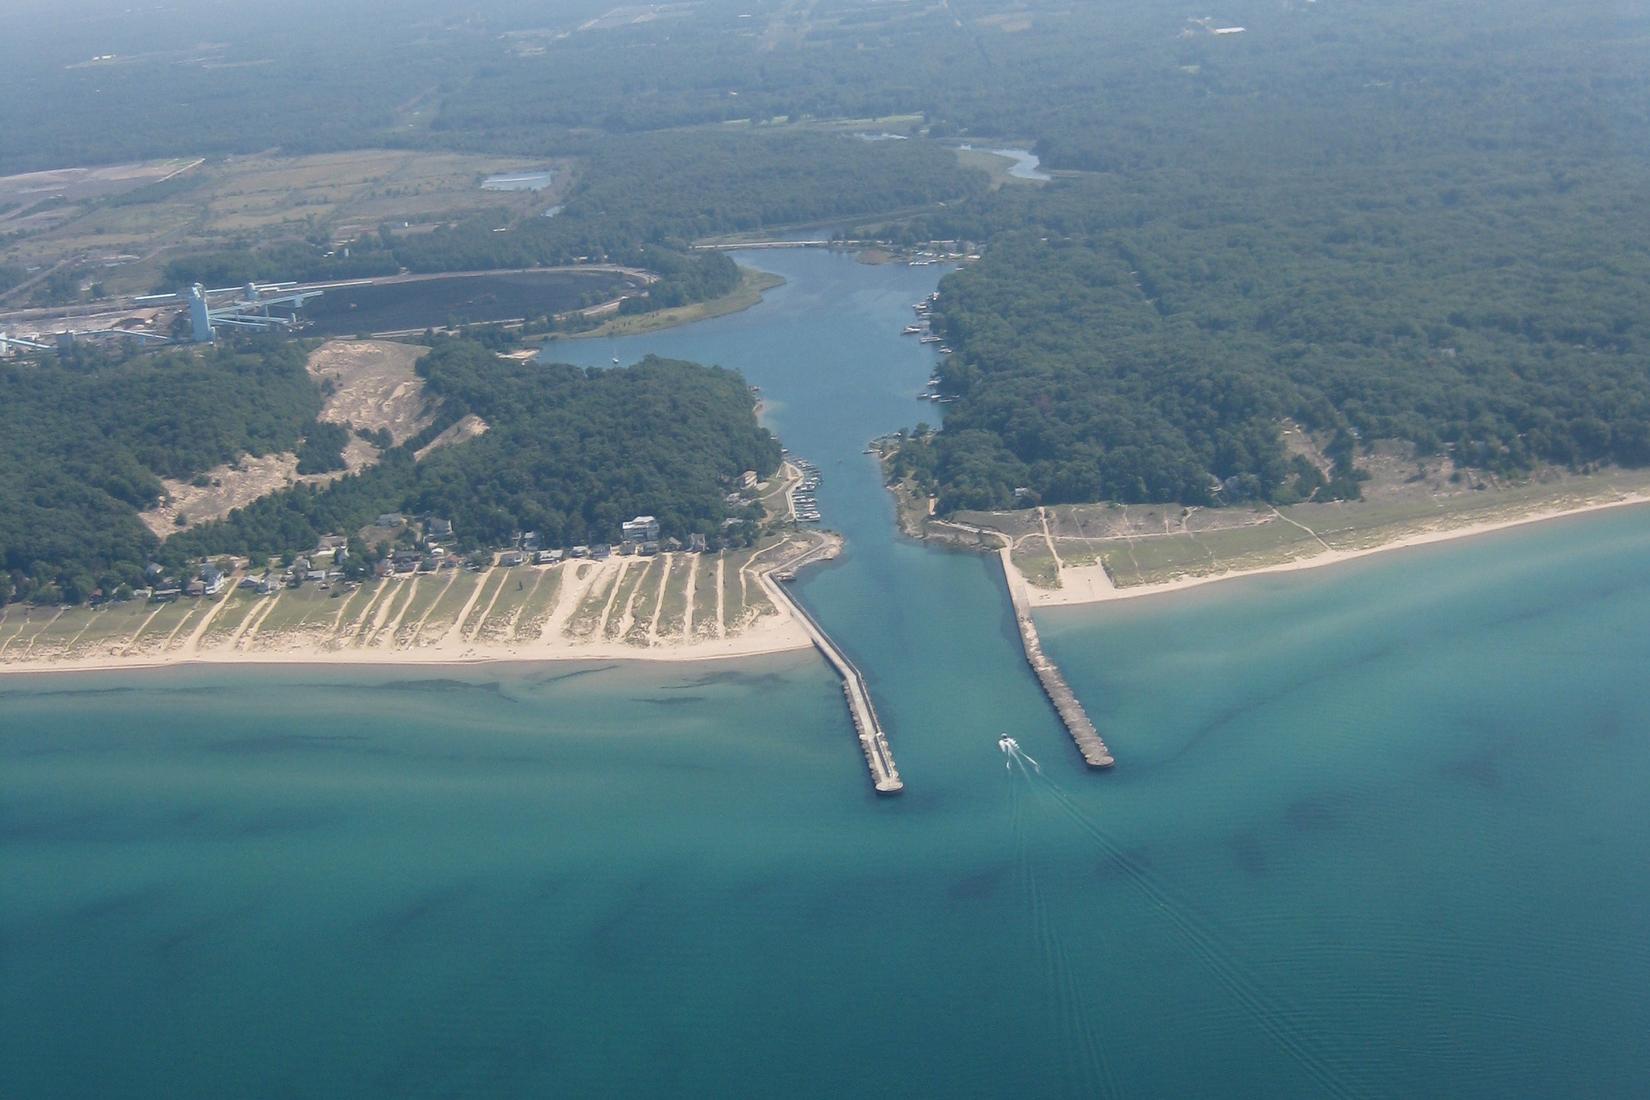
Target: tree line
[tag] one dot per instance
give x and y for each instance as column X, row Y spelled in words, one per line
column 570, row 453
column 85, row 440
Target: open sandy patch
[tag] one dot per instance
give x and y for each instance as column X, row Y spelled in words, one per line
column 372, row 384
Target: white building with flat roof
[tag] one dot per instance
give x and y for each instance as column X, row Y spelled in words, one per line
column 641, row 529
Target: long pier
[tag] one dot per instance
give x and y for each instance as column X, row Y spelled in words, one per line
column 872, row 738
column 1066, row 704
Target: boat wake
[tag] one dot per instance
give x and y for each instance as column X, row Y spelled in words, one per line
column 1287, row 1025
column 1016, row 755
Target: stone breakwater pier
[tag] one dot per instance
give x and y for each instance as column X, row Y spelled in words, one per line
column 872, row 738
column 1076, row 719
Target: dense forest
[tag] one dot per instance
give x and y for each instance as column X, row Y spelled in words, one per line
column 1101, row 86
column 648, row 191
column 1140, row 342
column 83, row 444
column 570, row 453
column 1402, row 221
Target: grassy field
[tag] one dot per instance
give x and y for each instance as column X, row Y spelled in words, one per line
column 733, row 591
column 444, row 612
column 492, row 587
column 705, row 623
column 638, row 601
column 628, row 586
column 537, row 607
column 673, row 602
column 586, row 619
column 647, row 602
column 1144, row 544
column 268, row 197
column 426, row 593
column 1034, row 560
column 240, row 607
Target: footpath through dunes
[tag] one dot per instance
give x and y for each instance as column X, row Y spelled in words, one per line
column 669, row 607
column 1090, row 553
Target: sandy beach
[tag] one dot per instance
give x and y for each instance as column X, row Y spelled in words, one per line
column 776, row 634
column 1090, row 583
column 675, row 607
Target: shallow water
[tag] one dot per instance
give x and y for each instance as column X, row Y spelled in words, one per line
column 1376, row 829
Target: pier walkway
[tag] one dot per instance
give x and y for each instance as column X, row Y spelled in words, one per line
column 1076, row 719
column 872, row 739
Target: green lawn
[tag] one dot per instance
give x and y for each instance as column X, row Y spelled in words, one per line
column 704, row 596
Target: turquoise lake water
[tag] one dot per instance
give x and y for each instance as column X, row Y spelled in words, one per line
column 1375, row 830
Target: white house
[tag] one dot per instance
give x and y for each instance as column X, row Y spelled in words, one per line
column 642, row 529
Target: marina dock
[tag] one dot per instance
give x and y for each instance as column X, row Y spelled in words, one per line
column 872, row 739
column 1066, row 704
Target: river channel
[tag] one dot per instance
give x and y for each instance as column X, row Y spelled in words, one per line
column 1374, row 830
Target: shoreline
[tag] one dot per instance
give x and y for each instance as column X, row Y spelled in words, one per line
column 722, row 649
column 1090, row 584
column 754, row 283
column 380, row 641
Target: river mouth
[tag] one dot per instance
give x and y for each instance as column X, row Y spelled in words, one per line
column 1374, row 830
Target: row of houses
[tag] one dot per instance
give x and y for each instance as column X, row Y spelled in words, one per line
column 322, row 565
column 209, row 582
column 646, row 548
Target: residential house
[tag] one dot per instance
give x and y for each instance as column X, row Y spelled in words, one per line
column 641, row 529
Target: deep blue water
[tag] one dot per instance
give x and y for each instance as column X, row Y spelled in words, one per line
column 1377, row 829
